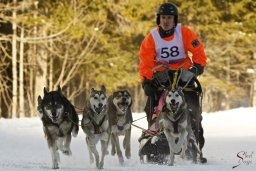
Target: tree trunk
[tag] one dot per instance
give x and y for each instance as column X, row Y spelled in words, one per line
column 51, row 69
column 32, row 70
column 41, row 74
column 21, row 73
column 14, row 65
column 41, row 71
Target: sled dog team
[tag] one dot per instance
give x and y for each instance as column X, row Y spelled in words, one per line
column 105, row 119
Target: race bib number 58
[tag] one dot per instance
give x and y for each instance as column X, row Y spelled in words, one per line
column 169, row 52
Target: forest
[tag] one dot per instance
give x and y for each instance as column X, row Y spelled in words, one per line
column 80, row 44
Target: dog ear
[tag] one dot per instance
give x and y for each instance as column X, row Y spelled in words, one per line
column 179, row 88
column 115, row 93
column 39, row 100
column 59, row 89
column 130, row 97
column 92, row 89
column 103, row 88
column 39, row 106
column 127, row 92
column 45, row 91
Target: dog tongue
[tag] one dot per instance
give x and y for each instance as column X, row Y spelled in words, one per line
column 174, row 107
column 99, row 109
column 123, row 106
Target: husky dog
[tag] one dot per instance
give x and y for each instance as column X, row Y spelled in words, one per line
column 95, row 125
column 176, row 124
column 120, row 120
column 59, row 120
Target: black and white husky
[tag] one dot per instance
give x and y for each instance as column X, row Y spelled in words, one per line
column 95, row 125
column 59, row 120
column 175, row 122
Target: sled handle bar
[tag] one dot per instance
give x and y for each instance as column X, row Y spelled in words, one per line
column 163, row 65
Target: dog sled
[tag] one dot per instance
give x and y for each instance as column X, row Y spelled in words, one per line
column 154, row 146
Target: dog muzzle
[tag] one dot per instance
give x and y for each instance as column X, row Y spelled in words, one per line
column 123, row 106
column 174, row 107
column 98, row 110
column 55, row 118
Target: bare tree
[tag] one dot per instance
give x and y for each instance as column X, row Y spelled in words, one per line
column 14, row 64
column 21, row 71
column 5, row 98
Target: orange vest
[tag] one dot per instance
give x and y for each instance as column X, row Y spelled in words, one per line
column 191, row 44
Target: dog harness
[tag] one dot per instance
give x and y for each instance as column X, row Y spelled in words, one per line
column 177, row 117
column 121, row 127
column 97, row 126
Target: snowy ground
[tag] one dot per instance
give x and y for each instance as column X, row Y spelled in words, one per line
column 229, row 135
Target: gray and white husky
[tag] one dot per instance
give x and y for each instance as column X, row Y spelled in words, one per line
column 175, row 121
column 95, row 125
column 59, row 120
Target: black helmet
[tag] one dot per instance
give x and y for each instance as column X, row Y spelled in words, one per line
column 167, row 9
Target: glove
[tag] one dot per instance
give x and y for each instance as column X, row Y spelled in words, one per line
column 148, row 87
column 193, row 70
column 197, row 69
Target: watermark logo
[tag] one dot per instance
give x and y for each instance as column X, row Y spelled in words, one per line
column 244, row 158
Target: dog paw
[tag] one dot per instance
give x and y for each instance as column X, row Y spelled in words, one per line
column 203, row 160
column 55, row 165
column 100, row 166
column 67, row 152
column 128, row 154
column 199, row 159
column 170, row 162
column 121, row 161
